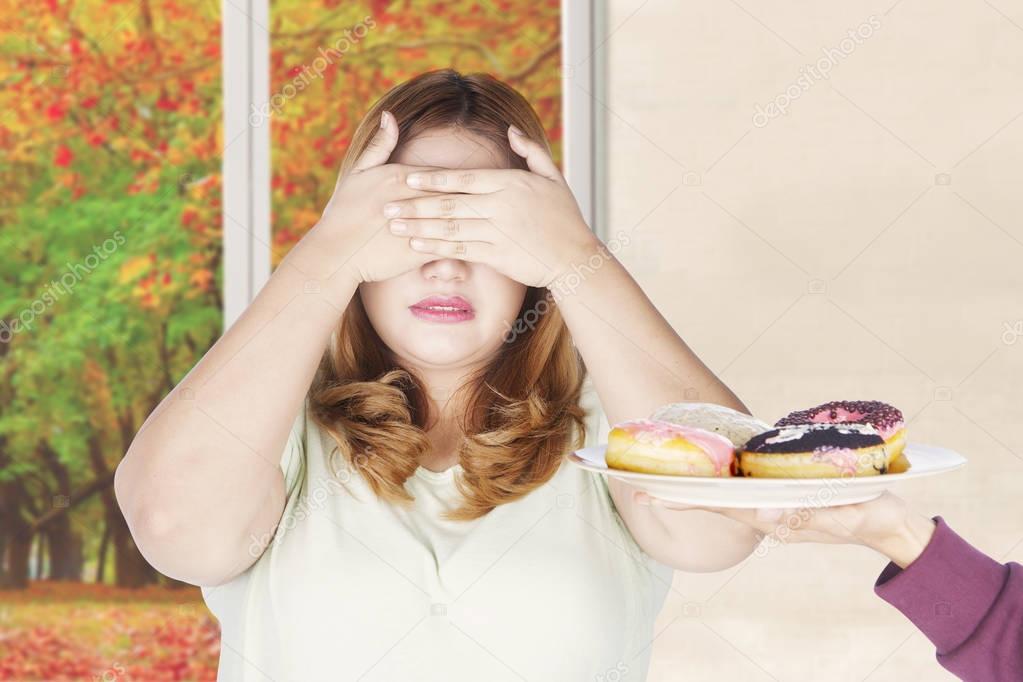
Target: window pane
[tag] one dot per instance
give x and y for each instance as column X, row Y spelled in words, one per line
column 110, row 142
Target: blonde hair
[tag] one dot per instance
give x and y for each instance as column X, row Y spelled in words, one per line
column 522, row 408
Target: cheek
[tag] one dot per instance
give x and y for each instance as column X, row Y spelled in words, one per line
column 381, row 301
column 508, row 297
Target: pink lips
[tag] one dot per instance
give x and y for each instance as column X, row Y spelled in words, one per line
column 443, row 309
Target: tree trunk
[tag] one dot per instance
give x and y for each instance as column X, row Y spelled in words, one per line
column 40, row 555
column 16, row 576
column 65, row 547
column 101, row 556
column 14, row 566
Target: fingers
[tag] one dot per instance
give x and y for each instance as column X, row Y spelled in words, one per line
column 782, row 523
column 438, row 206
column 451, row 229
column 478, row 252
column 771, row 515
column 764, row 520
column 380, row 147
column 468, row 181
column 537, row 158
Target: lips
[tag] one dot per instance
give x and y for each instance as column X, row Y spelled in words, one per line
column 444, row 303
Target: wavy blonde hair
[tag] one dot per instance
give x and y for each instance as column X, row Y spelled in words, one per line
column 522, row 409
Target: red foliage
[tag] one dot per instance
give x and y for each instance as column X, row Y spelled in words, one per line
column 40, row 654
column 55, row 111
column 169, row 639
column 62, row 156
column 170, row 652
column 166, row 104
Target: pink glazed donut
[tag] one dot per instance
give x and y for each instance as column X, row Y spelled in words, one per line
column 650, row 446
column 885, row 418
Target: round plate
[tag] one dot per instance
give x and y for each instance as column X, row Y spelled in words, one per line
column 742, row 492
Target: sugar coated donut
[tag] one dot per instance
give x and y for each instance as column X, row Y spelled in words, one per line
column 815, row 451
column 657, row 447
column 885, row 418
column 738, row 427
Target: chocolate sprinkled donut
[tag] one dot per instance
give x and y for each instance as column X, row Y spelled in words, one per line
column 881, row 416
column 814, row 437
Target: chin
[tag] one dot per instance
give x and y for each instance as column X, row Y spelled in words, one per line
column 447, row 352
column 449, row 357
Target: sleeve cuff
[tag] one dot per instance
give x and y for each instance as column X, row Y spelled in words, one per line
column 947, row 590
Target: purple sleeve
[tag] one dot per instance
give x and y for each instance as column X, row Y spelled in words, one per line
column 968, row 605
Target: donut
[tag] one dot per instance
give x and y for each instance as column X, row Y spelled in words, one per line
column 885, row 418
column 814, row 451
column 657, row 447
column 736, row 426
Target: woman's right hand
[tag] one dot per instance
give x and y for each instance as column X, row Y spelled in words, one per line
column 352, row 237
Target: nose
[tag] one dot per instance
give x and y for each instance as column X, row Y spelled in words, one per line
column 445, row 269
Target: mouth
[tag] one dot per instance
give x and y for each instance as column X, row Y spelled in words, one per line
column 443, row 309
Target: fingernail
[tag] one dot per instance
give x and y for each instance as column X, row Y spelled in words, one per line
column 643, row 499
column 516, row 131
column 383, row 119
column 391, row 210
column 417, row 243
column 414, row 180
column 399, row 227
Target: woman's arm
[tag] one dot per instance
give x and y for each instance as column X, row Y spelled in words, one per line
column 637, row 363
column 968, row 605
column 202, row 476
column 201, row 483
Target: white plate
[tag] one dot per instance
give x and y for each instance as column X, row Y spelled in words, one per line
column 924, row 460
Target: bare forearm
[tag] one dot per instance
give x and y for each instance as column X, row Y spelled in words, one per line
column 208, row 456
column 692, row 540
column 636, row 360
column 638, row 363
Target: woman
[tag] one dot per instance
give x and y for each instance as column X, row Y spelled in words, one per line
column 421, row 522
column 968, row 605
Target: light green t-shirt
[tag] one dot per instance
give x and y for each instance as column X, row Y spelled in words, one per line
column 549, row 587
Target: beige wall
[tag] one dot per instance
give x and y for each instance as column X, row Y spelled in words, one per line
column 866, row 245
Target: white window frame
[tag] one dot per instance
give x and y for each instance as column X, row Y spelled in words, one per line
column 246, row 172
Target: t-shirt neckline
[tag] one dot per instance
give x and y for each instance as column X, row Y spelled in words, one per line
column 429, row 475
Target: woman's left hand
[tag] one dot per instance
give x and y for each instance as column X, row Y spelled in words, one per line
column 887, row 524
column 525, row 224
